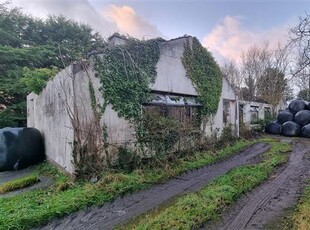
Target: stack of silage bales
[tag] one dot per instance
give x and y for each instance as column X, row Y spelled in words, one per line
column 292, row 122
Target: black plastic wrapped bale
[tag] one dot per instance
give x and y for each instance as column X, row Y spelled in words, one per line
column 305, row 131
column 290, row 129
column 302, row 117
column 273, row 128
column 296, row 106
column 285, row 116
column 20, row 148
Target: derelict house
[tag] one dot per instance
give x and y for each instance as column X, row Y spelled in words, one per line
column 64, row 111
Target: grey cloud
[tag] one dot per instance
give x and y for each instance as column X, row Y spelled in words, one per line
column 78, row 10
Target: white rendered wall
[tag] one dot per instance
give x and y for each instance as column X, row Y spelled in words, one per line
column 48, row 113
column 171, row 74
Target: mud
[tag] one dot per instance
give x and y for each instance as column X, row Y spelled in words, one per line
column 130, row 206
column 267, row 204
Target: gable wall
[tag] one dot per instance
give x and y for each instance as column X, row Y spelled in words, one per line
column 171, row 74
column 48, row 113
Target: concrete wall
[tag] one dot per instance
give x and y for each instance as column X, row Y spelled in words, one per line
column 68, row 93
column 118, row 129
column 171, row 74
column 215, row 122
column 246, row 110
column 48, row 113
column 171, row 78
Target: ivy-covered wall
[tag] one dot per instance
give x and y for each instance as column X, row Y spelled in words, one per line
column 205, row 74
column 112, row 90
column 130, row 71
column 171, row 73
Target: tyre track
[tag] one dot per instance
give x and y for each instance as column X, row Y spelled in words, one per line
column 123, row 209
column 268, row 202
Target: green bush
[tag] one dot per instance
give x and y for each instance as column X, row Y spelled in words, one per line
column 35, row 79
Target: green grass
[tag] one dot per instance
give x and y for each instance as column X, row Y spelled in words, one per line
column 18, row 183
column 194, row 209
column 37, row 207
column 301, row 218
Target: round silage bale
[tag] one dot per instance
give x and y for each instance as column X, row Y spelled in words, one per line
column 302, row 117
column 285, row 116
column 296, row 106
column 273, row 128
column 290, row 129
column 305, row 131
column 20, row 148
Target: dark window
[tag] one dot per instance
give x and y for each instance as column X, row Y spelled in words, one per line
column 254, row 113
column 226, row 111
column 241, row 113
column 186, row 115
column 267, row 113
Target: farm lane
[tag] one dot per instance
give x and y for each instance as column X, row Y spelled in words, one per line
column 130, row 206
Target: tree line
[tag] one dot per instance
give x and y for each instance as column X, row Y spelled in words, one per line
column 31, row 51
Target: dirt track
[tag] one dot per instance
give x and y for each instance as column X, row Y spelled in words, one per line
column 267, row 204
column 130, row 206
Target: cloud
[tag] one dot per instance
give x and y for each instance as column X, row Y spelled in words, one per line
column 111, row 19
column 78, row 10
column 229, row 39
column 128, row 22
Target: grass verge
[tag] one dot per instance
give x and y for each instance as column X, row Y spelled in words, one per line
column 18, row 183
column 192, row 210
column 301, row 218
column 37, row 207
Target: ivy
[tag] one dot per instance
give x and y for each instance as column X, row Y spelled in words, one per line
column 125, row 73
column 206, row 75
column 93, row 100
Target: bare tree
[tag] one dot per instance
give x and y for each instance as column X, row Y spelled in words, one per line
column 261, row 74
column 300, row 44
column 231, row 71
column 254, row 62
column 272, row 85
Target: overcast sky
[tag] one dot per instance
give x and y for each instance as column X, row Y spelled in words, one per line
column 225, row 27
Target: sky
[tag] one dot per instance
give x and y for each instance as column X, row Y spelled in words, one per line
column 225, row 27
